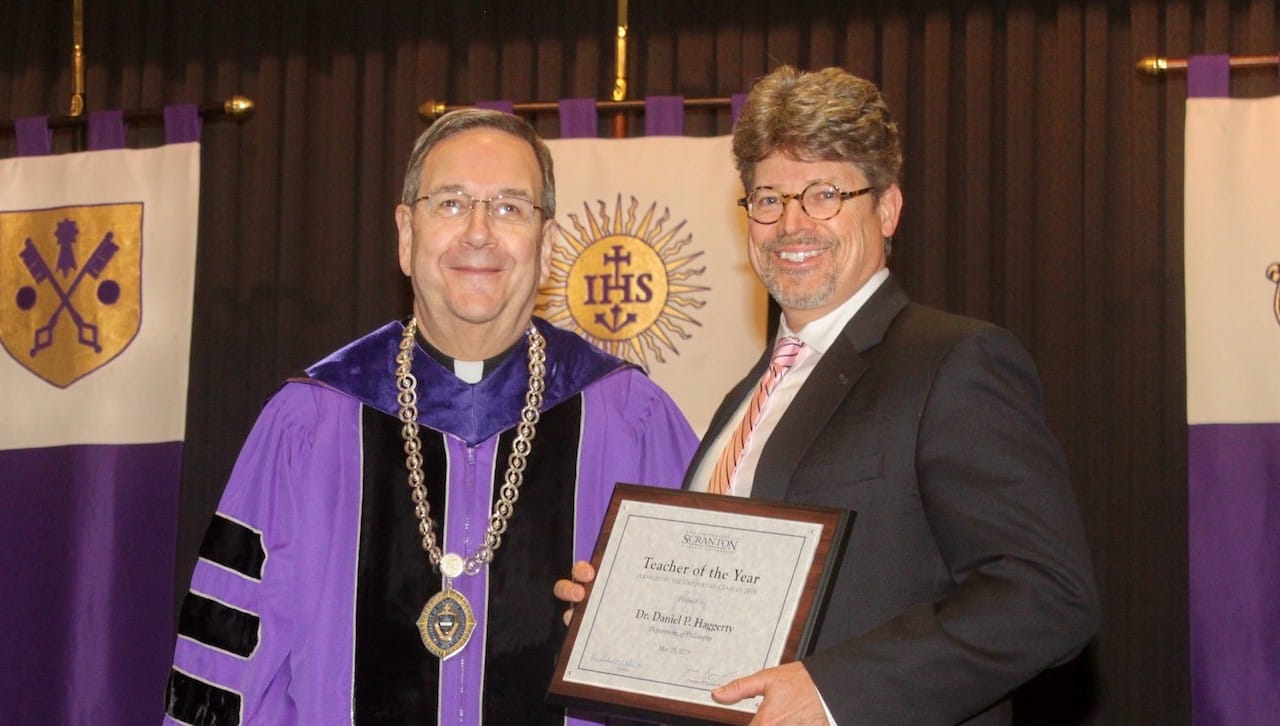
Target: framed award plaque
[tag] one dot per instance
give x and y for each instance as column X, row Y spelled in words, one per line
column 691, row 591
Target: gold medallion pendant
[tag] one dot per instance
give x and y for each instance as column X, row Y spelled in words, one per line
column 446, row 623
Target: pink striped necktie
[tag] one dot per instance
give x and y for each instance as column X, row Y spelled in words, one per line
column 785, row 354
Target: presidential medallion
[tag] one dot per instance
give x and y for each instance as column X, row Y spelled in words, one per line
column 446, row 623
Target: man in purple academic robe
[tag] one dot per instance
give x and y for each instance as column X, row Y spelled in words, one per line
column 330, row 588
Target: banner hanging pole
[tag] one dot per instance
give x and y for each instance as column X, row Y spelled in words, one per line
column 620, row 71
column 236, row 107
column 431, row 110
column 77, row 58
column 1157, row 66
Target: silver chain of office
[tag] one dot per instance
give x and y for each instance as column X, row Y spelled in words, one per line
column 452, row 565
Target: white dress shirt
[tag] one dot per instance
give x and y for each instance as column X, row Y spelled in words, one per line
column 818, row 337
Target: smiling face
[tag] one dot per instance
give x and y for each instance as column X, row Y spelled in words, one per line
column 474, row 280
column 810, row 267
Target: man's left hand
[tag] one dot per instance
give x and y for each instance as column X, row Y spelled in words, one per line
column 790, row 697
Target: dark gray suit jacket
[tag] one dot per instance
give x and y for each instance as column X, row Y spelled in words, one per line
column 967, row 571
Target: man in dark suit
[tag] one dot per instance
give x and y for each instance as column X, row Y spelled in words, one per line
column 966, row 572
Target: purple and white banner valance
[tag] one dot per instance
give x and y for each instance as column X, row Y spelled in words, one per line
column 97, row 268
column 1232, row 259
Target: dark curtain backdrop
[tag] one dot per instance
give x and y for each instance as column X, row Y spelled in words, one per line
column 1043, row 191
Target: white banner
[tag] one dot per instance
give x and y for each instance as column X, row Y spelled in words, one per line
column 97, row 270
column 1233, row 260
column 97, row 266
column 651, row 264
column 1233, row 408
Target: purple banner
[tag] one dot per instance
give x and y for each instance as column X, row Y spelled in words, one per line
column 1234, row 572
column 33, row 136
column 182, row 123
column 736, row 102
column 87, row 550
column 664, row 115
column 1208, row 76
column 106, row 130
column 578, row 118
column 503, row 106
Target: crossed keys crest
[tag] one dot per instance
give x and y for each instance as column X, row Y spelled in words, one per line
column 61, row 318
column 87, row 333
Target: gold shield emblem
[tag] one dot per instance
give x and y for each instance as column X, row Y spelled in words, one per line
column 621, row 281
column 70, row 287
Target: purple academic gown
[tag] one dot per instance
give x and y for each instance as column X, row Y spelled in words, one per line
column 311, row 577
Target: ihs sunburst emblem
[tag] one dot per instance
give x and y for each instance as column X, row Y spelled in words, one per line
column 623, row 284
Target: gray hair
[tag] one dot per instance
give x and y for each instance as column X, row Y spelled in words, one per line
column 455, row 122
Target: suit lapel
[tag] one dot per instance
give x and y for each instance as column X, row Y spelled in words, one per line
column 826, row 388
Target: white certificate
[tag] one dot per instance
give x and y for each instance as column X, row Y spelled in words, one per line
column 692, row 591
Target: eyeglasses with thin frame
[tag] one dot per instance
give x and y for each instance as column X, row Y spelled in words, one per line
column 820, row 200
column 502, row 208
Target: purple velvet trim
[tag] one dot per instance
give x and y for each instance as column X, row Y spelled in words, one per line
column 663, row 115
column 365, row 369
column 578, row 118
column 106, row 130
column 1208, row 76
column 1234, row 572
column 33, row 136
column 736, row 102
column 87, row 539
column 182, row 123
column 503, row 106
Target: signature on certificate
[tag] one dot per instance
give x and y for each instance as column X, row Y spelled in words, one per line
column 706, row 677
column 618, row 663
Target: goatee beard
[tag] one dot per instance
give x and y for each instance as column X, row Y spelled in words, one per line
column 797, row 295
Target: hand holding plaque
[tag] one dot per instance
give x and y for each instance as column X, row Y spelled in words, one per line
column 692, row 591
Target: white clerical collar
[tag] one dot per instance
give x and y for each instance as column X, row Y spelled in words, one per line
column 821, row 333
column 470, row 371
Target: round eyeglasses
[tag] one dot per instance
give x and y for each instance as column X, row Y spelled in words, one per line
column 820, row 200
column 515, row 211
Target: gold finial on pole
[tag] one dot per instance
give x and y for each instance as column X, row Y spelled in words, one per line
column 77, row 58
column 1153, row 65
column 431, row 110
column 238, row 107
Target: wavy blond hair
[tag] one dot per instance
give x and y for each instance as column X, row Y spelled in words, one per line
column 826, row 115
